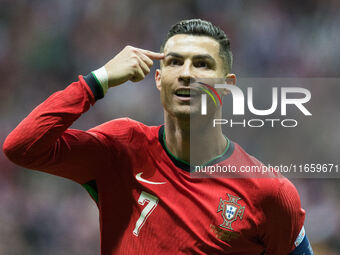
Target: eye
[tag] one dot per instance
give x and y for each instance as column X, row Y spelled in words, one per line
column 202, row 64
column 174, row 62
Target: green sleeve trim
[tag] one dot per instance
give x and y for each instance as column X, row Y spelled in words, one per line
column 100, row 84
column 91, row 188
column 95, row 87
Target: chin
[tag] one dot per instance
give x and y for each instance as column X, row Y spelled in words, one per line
column 186, row 112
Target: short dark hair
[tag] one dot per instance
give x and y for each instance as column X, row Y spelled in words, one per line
column 203, row 28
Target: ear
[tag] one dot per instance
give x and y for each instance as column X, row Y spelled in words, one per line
column 158, row 79
column 230, row 79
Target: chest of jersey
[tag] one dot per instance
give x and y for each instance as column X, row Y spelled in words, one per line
column 162, row 209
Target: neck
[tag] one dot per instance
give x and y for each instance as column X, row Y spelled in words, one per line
column 206, row 143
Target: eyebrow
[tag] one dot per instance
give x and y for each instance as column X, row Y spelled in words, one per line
column 173, row 54
column 200, row 56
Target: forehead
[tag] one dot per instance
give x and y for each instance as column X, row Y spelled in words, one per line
column 192, row 45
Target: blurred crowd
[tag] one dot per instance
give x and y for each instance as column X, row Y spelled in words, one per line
column 45, row 45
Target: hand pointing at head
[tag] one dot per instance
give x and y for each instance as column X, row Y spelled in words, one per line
column 130, row 64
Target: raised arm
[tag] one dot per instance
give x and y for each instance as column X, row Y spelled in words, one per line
column 42, row 141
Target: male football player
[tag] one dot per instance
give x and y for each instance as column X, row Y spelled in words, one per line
column 139, row 175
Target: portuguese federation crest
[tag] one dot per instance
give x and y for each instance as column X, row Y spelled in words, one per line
column 230, row 211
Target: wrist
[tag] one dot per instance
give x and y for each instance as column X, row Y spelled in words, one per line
column 102, row 78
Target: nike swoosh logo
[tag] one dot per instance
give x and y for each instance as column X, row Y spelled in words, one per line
column 139, row 178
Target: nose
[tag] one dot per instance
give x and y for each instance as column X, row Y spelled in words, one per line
column 185, row 74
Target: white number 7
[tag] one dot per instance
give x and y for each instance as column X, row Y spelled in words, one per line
column 152, row 203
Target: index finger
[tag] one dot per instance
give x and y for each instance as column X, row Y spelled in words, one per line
column 153, row 55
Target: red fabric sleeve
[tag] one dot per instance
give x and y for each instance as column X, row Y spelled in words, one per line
column 284, row 219
column 42, row 142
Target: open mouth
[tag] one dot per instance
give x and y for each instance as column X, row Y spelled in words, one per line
column 186, row 93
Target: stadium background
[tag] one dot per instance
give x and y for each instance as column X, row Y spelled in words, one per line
column 44, row 45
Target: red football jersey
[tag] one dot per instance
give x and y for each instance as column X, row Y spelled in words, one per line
column 148, row 202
